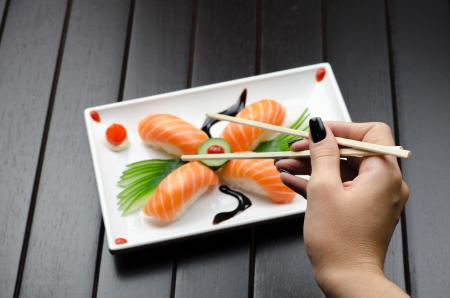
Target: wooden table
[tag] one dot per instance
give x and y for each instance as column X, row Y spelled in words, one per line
column 58, row 57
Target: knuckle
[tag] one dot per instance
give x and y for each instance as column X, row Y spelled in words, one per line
column 381, row 133
column 404, row 192
column 324, row 152
column 402, row 196
column 397, row 178
column 383, row 127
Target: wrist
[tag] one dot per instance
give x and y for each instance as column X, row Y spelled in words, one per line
column 338, row 271
column 356, row 281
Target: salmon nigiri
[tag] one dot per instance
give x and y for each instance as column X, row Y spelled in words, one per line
column 247, row 138
column 180, row 190
column 171, row 134
column 258, row 176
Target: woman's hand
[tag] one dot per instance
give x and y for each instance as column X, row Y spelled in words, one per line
column 353, row 207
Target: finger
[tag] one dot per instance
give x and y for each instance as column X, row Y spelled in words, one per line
column 325, row 158
column 303, row 167
column 348, row 168
column 295, row 166
column 372, row 132
column 300, row 145
column 297, row 184
column 347, row 184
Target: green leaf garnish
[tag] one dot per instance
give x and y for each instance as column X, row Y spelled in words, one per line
column 280, row 143
column 140, row 181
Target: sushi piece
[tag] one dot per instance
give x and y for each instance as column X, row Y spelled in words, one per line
column 247, row 138
column 116, row 137
column 258, row 176
column 171, row 134
column 178, row 191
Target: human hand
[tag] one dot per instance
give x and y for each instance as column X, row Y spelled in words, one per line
column 353, row 207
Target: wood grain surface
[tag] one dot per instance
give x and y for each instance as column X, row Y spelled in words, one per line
column 28, row 53
column 3, row 12
column 62, row 250
column 420, row 32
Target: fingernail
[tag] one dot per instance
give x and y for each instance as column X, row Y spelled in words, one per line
column 284, row 171
column 292, row 142
column 317, row 129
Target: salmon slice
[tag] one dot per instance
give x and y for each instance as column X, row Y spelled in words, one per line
column 259, row 176
column 247, row 138
column 180, row 190
column 171, row 134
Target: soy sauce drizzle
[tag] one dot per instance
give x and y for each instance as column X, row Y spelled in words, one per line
column 243, row 204
column 231, row 111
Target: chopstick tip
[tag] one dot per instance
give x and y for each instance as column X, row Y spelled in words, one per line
column 409, row 154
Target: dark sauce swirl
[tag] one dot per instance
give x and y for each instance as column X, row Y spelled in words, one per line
column 243, row 204
column 231, row 111
column 243, row 201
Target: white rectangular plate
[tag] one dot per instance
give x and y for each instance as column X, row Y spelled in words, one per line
column 295, row 88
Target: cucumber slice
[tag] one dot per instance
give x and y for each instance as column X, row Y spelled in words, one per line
column 210, row 145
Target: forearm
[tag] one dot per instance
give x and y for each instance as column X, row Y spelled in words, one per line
column 357, row 283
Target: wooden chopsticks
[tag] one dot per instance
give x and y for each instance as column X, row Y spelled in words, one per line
column 364, row 146
column 344, row 152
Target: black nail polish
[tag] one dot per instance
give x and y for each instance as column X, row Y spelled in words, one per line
column 292, row 142
column 317, row 129
column 284, row 171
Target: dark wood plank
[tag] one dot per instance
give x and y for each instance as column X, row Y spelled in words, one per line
column 146, row 273
column 421, row 47
column 160, row 48
column 282, row 268
column 158, row 61
column 214, row 266
column 3, row 8
column 225, row 49
column 225, row 42
column 28, row 54
column 63, row 243
column 291, row 37
column 357, row 48
column 291, row 34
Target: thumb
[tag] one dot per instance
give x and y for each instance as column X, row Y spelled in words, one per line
column 324, row 154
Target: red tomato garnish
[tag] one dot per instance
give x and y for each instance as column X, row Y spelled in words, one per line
column 120, row 241
column 116, row 134
column 320, row 74
column 95, row 116
column 215, row 149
